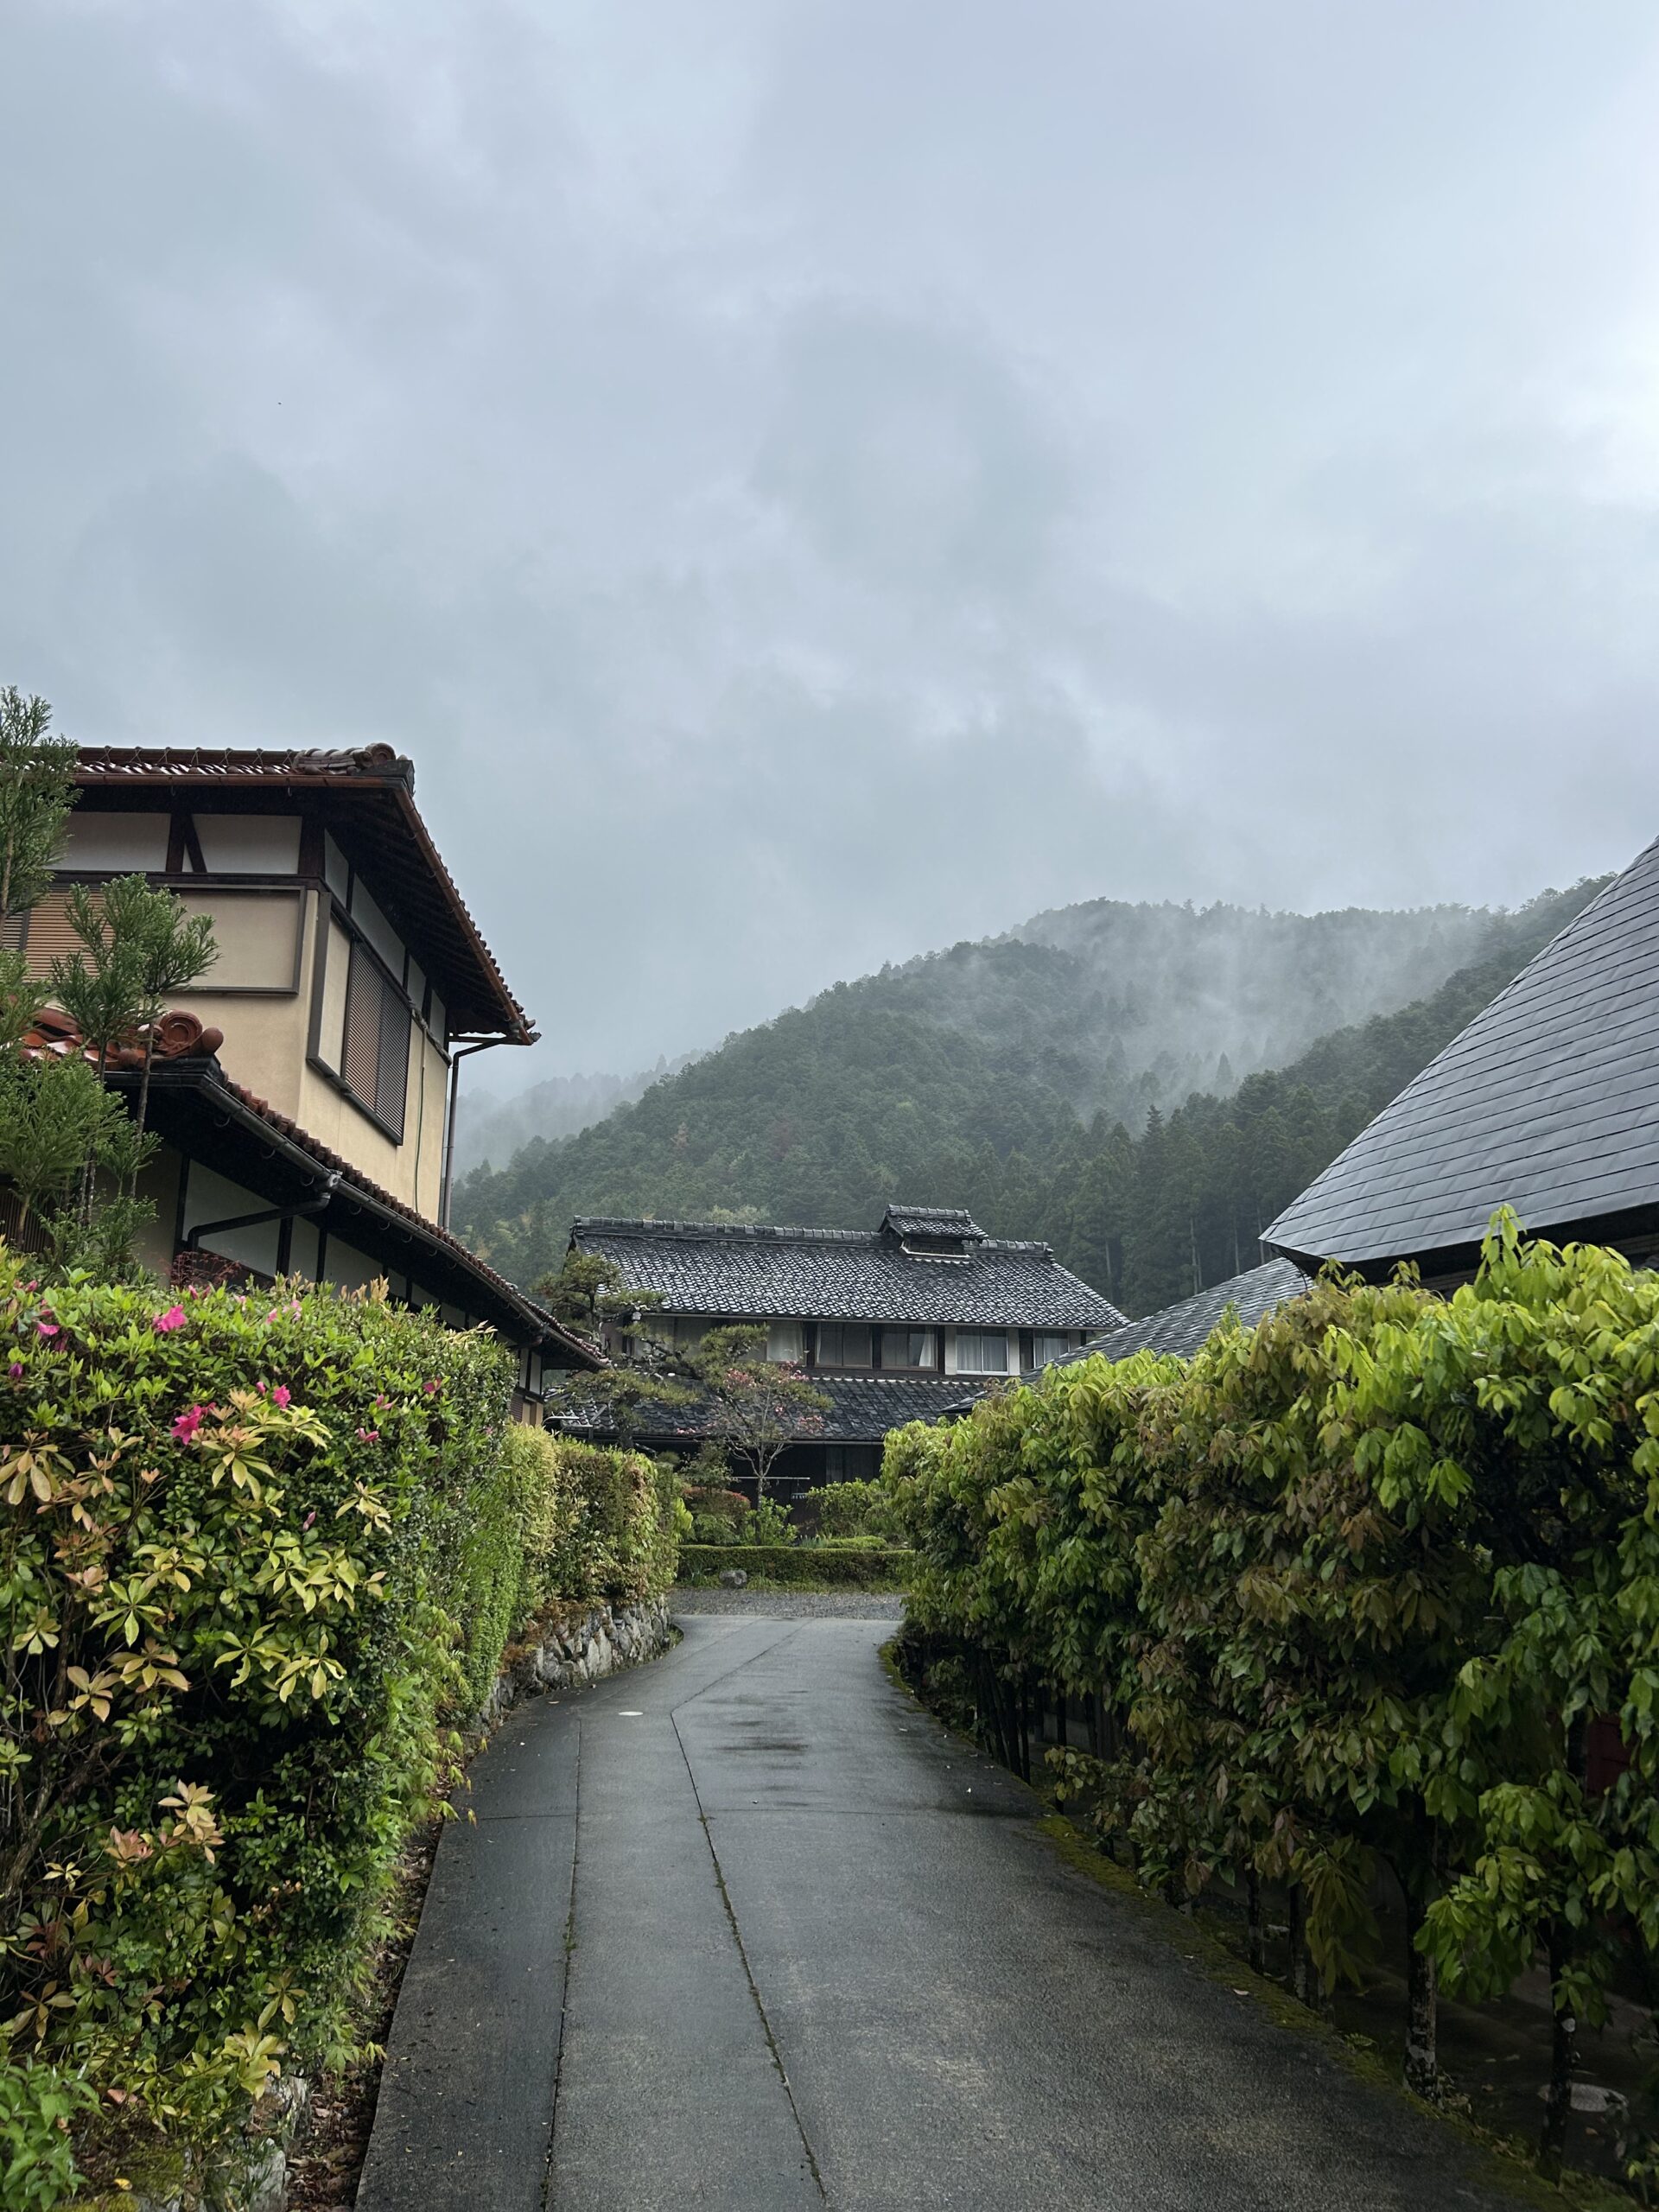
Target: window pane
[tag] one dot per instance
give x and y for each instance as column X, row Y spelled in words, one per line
column 783, row 1341
column 908, row 1348
column 843, row 1343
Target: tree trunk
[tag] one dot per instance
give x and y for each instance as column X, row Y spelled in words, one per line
column 1256, row 1930
column 1564, row 2033
column 1423, row 2009
column 144, row 1100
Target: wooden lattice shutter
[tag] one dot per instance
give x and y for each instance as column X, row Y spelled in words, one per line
column 391, row 1079
column 360, row 1057
column 48, row 935
column 374, row 1058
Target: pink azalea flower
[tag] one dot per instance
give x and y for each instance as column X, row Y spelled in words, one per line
column 280, row 1394
column 309, row 1518
column 369, row 1436
column 185, row 1426
column 432, row 1389
column 15, row 1370
column 173, row 1319
column 46, row 1328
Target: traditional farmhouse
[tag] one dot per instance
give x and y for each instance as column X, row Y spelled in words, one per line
column 1549, row 1102
column 887, row 1323
column 304, row 1090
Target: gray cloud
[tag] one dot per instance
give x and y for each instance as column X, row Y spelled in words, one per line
column 810, row 481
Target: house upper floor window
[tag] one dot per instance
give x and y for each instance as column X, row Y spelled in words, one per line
column 908, row 1348
column 1048, row 1344
column 843, row 1343
column 374, row 1050
column 982, row 1351
column 785, row 1341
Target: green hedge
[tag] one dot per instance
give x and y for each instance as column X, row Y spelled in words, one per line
column 797, row 1566
column 257, row 1560
column 1377, row 1579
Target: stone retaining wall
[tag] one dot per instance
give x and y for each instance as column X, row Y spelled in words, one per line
column 578, row 1646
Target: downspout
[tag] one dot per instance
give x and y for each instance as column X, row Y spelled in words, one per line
column 456, row 1060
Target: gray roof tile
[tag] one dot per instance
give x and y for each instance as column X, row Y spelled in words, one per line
column 1549, row 1102
column 844, row 1275
column 1183, row 1328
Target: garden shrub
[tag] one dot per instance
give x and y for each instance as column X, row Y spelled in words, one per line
column 1348, row 1586
column 797, row 1566
column 259, row 1554
column 850, row 1509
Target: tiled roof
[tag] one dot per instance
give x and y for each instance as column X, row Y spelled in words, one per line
column 1549, row 1102
column 149, row 764
column 842, row 1274
column 207, row 1079
column 1183, row 1328
column 933, row 1221
column 375, row 786
column 862, row 1409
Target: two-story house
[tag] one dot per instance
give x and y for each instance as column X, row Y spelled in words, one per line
column 304, row 1090
column 887, row 1323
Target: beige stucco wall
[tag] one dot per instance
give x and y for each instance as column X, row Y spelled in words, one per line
column 266, row 1041
column 264, row 1037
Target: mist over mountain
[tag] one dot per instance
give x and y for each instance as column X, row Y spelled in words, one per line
column 489, row 1127
column 1010, row 1075
column 1200, row 998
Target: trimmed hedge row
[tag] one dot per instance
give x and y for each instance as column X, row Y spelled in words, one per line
column 257, row 1561
column 1377, row 1579
column 797, row 1566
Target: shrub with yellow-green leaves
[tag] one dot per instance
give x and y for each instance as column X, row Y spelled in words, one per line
column 258, row 1555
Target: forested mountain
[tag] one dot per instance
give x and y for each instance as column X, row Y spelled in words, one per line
column 999, row 1077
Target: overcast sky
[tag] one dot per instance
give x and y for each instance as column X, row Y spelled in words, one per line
column 812, row 479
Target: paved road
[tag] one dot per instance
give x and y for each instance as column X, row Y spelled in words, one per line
column 743, row 1929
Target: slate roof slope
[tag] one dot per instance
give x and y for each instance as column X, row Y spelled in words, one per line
column 862, row 1409
column 1547, row 1101
column 1184, row 1327
column 843, row 1275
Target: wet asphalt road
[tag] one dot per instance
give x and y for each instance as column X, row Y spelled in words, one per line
column 744, row 1929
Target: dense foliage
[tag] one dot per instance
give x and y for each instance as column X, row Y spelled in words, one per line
column 1360, row 1583
column 983, row 1077
column 260, row 1554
